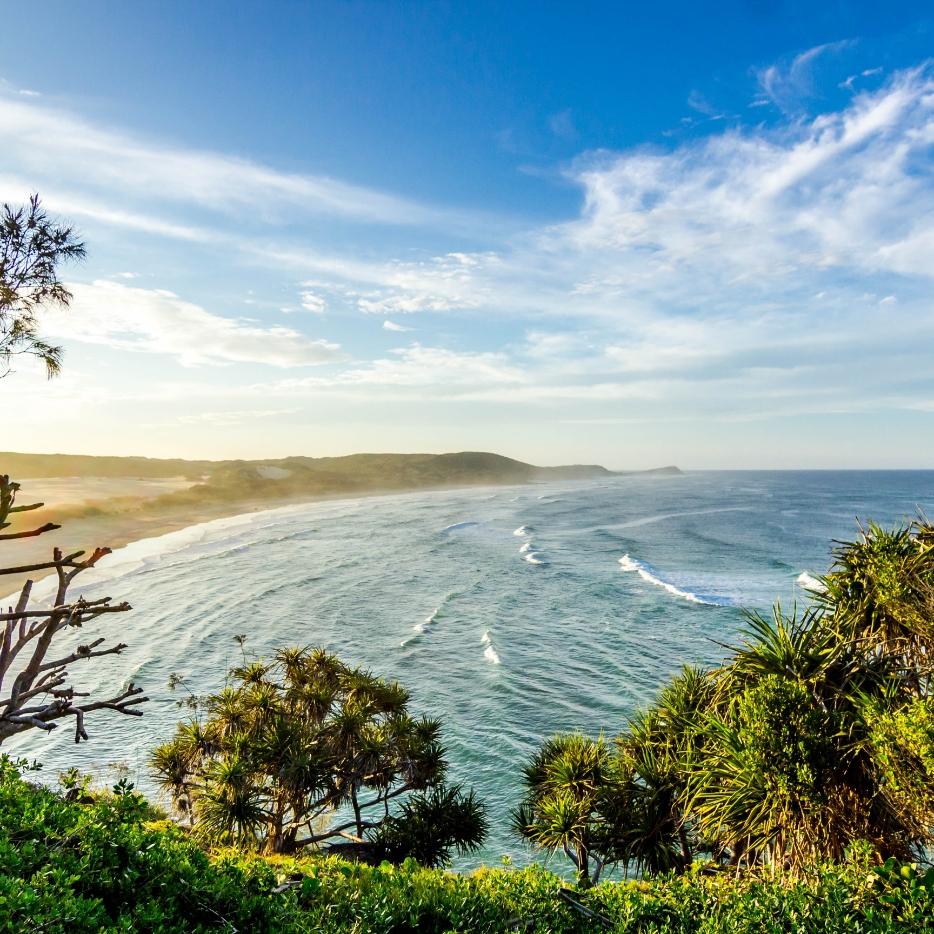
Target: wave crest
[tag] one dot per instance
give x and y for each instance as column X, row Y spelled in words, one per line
column 630, row 564
column 806, row 582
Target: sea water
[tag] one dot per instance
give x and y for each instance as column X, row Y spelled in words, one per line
column 511, row 613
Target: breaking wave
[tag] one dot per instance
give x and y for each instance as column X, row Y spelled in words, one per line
column 490, row 652
column 630, row 564
column 806, row 582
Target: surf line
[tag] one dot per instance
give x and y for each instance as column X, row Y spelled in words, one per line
column 630, row 564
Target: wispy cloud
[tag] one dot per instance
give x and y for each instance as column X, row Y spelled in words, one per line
column 791, row 84
column 41, row 140
column 562, row 124
column 157, row 321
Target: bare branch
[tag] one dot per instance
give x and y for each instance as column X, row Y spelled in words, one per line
column 87, row 653
column 59, row 562
column 82, row 607
column 48, row 527
column 23, row 627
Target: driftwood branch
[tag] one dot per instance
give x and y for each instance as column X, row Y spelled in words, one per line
column 84, row 651
column 45, row 565
column 48, row 527
column 22, row 627
column 81, row 606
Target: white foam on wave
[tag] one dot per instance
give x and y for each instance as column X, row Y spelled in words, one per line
column 523, row 530
column 526, row 547
column 490, row 652
column 534, row 557
column 430, row 622
column 460, row 526
column 806, row 582
column 630, row 564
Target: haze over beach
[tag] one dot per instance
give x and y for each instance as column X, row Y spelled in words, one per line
column 466, row 467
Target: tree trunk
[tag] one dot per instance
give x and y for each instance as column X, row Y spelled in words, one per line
column 583, row 868
column 356, row 811
column 686, row 855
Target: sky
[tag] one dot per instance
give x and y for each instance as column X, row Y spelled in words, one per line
column 620, row 233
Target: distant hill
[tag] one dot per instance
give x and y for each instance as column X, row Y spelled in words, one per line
column 292, row 478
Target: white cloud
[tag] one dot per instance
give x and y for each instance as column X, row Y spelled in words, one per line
column 416, row 367
column 790, row 85
column 390, row 326
column 312, row 302
column 443, row 283
column 158, row 321
column 743, row 214
column 44, row 141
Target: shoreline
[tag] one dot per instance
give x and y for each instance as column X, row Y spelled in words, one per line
column 122, row 529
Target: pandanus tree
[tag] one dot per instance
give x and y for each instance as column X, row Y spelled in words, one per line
column 816, row 732
column 820, row 734
column 569, row 785
column 304, row 751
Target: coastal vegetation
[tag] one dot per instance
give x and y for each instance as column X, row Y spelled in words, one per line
column 109, row 863
column 815, row 735
column 32, row 247
column 289, row 742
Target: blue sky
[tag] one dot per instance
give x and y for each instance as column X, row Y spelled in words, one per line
column 627, row 233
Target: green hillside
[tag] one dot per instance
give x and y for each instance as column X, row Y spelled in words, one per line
column 292, row 478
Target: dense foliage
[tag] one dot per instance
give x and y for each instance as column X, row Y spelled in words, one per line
column 290, row 742
column 102, row 867
column 816, row 733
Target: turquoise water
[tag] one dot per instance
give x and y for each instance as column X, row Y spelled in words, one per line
column 510, row 613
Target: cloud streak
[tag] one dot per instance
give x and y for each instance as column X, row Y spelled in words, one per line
column 42, row 140
column 159, row 322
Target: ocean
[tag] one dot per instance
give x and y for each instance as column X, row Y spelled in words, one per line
column 510, row 613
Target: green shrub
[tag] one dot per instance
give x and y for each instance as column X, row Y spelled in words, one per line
column 104, row 867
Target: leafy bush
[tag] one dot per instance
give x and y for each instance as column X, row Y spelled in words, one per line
column 107, row 868
column 75, row 868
